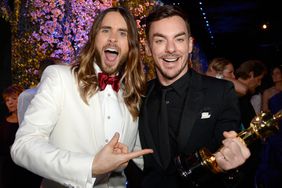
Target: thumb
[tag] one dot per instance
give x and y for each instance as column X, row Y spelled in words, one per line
column 114, row 139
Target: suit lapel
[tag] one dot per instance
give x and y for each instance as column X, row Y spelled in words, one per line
column 191, row 110
column 145, row 124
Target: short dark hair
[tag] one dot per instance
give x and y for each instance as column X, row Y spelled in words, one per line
column 255, row 66
column 165, row 11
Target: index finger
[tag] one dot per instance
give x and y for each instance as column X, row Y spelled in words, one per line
column 138, row 153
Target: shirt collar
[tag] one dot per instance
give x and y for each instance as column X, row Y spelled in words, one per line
column 97, row 68
column 180, row 85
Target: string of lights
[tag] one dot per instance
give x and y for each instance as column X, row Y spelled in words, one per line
column 206, row 22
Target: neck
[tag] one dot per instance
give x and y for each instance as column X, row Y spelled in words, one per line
column 13, row 118
column 167, row 80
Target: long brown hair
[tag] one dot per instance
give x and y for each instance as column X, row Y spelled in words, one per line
column 133, row 78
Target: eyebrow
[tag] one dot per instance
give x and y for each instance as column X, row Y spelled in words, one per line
column 109, row 27
column 161, row 35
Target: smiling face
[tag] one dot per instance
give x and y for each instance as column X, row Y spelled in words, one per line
column 170, row 45
column 112, row 43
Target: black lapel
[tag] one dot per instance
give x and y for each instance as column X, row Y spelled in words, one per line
column 191, row 109
column 144, row 125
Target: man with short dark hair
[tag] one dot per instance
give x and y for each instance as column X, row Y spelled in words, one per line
column 183, row 110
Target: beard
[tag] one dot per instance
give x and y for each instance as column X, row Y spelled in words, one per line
column 110, row 70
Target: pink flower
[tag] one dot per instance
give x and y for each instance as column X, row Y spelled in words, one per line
column 61, row 31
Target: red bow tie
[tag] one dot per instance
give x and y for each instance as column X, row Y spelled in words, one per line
column 105, row 79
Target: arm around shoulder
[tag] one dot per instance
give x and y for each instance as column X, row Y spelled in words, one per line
column 240, row 88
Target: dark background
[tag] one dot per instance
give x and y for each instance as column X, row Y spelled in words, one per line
column 5, row 58
column 235, row 28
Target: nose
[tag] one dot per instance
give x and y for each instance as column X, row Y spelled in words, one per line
column 170, row 47
column 113, row 37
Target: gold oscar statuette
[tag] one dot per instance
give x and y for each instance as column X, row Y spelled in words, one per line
column 262, row 126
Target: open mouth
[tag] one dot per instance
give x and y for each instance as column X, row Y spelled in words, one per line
column 170, row 60
column 111, row 54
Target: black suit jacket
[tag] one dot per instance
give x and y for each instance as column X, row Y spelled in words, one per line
column 211, row 107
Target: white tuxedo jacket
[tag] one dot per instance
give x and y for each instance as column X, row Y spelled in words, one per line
column 60, row 134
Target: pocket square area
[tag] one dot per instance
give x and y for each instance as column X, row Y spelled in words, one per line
column 205, row 115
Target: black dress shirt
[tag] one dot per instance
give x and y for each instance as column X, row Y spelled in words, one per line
column 175, row 100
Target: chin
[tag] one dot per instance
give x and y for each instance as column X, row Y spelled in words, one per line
column 110, row 70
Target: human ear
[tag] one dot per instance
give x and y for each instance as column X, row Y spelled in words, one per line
column 190, row 44
column 147, row 49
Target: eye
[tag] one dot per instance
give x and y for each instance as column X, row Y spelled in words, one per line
column 104, row 30
column 123, row 33
column 180, row 39
column 159, row 41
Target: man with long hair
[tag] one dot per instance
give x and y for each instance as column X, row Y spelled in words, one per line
column 82, row 122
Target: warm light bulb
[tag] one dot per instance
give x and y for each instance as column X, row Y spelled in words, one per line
column 264, row 26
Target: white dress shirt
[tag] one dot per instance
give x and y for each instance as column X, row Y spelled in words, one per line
column 110, row 109
column 111, row 112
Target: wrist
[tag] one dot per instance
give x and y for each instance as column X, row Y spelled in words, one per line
column 95, row 172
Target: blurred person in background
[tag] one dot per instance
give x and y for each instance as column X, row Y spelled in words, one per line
column 249, row 73
column 223, row 68
column 13, row 176
column 272, row 97
column 256, row 100
column 269, row 172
